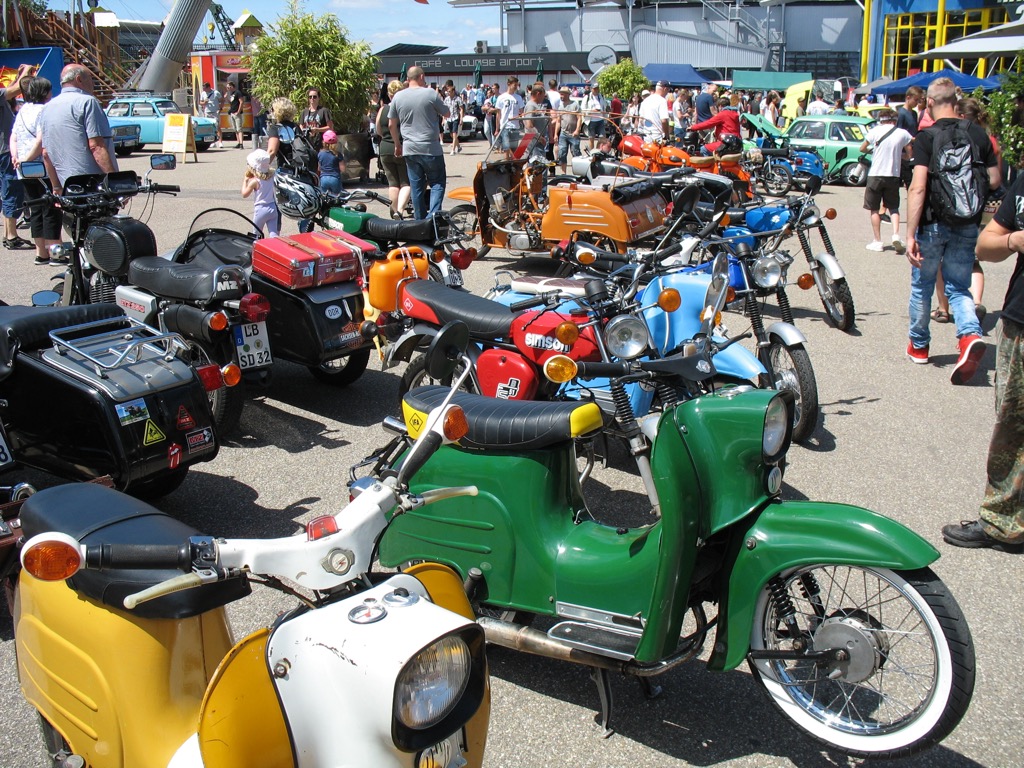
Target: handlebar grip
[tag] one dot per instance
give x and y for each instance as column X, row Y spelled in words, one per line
column 154, row 187
column 102, row 557
column 601, row 370
column 530, row 303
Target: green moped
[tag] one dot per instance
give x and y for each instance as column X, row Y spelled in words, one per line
column 833, row 606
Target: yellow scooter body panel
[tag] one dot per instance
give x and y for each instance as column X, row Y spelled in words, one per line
column 241, row 724
column 123, row 691
column 445, row 589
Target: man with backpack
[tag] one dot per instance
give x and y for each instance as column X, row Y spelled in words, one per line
column 954, row 168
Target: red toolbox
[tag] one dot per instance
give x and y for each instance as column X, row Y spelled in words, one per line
column 310, row 258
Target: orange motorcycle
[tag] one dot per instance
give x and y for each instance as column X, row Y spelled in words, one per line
column 511, row 206
column 654, row 156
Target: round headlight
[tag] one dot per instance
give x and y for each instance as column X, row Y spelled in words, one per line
column 432, row 683
column 767, row 272
column 626, row 337
column 776, row 429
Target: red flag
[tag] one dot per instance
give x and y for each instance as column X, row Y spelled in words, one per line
column 422, row 1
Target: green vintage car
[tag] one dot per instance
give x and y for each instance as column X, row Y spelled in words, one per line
column 836, row 138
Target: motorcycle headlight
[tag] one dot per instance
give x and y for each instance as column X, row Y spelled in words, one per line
column 777, row 429
column 626, row 337
column 432, row 683
column 766, row 271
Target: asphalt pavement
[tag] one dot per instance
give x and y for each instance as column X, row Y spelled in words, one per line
column 895, row 437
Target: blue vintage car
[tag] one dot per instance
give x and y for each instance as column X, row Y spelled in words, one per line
column 127, row 135
column 149, row 111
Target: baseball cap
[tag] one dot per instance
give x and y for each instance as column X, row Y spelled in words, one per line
column 661, row 84
column 330, row 137
column 645, row 93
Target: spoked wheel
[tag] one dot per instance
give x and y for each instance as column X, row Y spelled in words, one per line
column 790, row 368
column 777, row 180
column 342, row 371
column 837, row 299
column 908, row 672
column 226, row 402
column 416, row 376
column 464, row 217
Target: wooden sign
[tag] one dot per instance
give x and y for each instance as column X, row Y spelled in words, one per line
column 179, row 135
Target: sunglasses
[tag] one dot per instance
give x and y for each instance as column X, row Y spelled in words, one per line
column 313, row 96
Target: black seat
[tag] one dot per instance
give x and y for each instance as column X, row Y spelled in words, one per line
column 27, row 328
column 512, row 424
column 192, row 282
column 401, row 230
column 737, row 216
column 486, row 319
column 94, row 514
column 773, row 152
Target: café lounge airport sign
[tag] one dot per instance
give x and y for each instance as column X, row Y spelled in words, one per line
column 456, row 64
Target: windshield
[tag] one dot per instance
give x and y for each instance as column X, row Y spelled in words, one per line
column 220, row 234
column 168, row 107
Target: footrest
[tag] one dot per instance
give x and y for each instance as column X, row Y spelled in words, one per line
column 615, row 643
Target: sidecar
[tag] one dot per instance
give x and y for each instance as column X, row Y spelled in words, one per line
column 87, row 392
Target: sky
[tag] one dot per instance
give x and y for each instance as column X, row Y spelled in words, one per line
column 381, row 23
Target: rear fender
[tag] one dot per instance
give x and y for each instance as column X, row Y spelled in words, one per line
column 798, row 533
column 420, row 335
column 787, row 333
column 783, row 162
column 831, row 265
column 463, row 193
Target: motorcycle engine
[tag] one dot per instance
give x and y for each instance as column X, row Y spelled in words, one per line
column 101, row 288
column 111, row 243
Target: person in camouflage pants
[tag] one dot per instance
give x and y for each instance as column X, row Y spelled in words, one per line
column 1000, row 524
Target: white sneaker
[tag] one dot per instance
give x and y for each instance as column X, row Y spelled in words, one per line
column 897, row 244
column 875, row 246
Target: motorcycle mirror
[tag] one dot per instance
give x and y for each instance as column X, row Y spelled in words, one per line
column 685, row 199
column 33, row 169
column 814, row 185
column 446, row 349
column 163, row 162
column 360, row 207
column 45, row 298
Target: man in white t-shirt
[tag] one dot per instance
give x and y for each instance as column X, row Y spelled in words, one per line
column 654, row 113
column 554, row 98
column 819, row 106
column 888, row 144
column 594, row 113
column 510, row 106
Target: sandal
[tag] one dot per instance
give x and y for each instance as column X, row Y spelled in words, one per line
column 940, row 316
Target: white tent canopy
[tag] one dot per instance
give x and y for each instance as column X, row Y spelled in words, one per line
column 1005, row 40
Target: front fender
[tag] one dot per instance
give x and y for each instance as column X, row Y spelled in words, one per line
column 831, row 265
column 465, row 194
column 798, row 533
column 787, row 333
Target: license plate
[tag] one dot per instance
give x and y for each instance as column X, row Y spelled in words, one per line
column 454, row 279
column 130, row 143
column 252, row 343
column 6, row 457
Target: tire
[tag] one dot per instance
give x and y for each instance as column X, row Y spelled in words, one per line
column 464, row 217
column 342, row 371
column 836, row 298
column 202, row 146
column 159, row 486
column 226, row 403
column 791, row 369
column 910, row 676
column 853, row 176
column 415, row 375
column 53, row 741
column 777, row 180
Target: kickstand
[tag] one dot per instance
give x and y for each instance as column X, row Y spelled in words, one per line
column 604, row 692
column 651, row 691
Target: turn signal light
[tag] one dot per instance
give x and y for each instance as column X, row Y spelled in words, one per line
column 461, row 258
column 805, row 281
column 254, row 307
column 718, row 317
column 52, row 557
column 217, row 321
column 669, row 300
column 232, row 374
column 211, row 377
column 560, row 369
column 726, row 221
column 585, row 257
column 567, row 333
column 830, row 213
column 437, row 255
column 730, row 295
column 320, row 527
column 455, row 425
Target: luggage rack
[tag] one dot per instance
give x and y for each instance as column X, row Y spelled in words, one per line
column 123, row 345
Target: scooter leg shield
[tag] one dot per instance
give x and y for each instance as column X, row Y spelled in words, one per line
column 122, row 691
column 791, row 534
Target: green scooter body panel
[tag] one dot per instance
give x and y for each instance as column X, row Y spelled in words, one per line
column 348, row 220
column 798, row 533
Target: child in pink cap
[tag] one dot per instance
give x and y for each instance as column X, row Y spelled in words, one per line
column 331, row 164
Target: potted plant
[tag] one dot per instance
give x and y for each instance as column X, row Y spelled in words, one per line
column 302, row 51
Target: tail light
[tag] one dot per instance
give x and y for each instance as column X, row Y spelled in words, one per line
column 217, row 321
column 461, row 258
column 669, row 208
column 232, row 374
column 320, row 527
column 798, row 161
column 254, row 307
column 211, row 377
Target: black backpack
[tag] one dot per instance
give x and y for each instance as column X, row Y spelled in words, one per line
column 304, row 154
column 959, row 179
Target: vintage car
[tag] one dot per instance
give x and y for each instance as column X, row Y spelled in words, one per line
column 127, row 133
column 149, row 111
column 827, row 135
